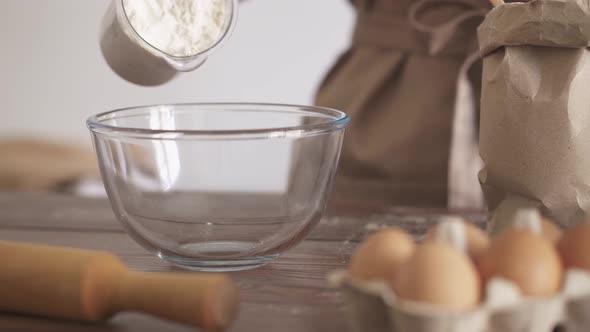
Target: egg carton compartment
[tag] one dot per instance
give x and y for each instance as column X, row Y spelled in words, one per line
column 373, row 307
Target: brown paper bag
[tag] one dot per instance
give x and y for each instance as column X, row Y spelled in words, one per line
column 535, row 109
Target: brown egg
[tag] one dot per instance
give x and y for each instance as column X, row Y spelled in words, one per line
column 550, row 230
column 525, row 258
column 574, row 247
column 439, row 274
column 532, row 220
column 381, row 254
column 462, row 235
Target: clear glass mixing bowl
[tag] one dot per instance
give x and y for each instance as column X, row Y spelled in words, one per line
column 218, row 187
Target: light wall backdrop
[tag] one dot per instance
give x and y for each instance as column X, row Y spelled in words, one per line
column 52, row 75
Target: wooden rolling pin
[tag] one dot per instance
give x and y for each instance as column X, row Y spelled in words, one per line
column 93, row 286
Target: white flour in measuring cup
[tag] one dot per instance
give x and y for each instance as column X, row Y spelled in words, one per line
column 148, row 42
column 180, row 28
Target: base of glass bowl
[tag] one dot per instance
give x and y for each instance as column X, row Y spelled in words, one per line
column 212, row 257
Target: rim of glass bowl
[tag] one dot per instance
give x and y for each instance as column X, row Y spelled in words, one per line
column 335, row 120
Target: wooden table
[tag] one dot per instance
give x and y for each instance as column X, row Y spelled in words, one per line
column 290, row 294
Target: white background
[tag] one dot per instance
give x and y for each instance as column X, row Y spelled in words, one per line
column 52, row 75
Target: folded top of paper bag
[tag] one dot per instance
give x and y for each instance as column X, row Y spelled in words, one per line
column 552, row 23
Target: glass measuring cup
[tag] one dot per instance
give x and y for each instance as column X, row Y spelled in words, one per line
column 137, row 61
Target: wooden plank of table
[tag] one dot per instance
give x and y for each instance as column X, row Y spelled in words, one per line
column 341, row 222
column 304, row 265
column 290, row 294
column 252, row 317
column 56, row 211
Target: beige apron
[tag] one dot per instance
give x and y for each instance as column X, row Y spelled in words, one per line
column 407, row 84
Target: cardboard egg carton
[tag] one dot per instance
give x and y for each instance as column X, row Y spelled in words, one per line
column 375, row 308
